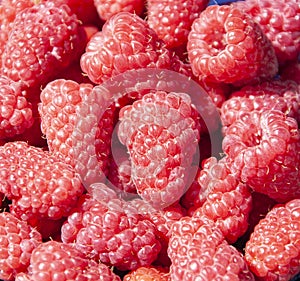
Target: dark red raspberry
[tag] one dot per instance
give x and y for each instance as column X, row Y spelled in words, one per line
column 126, row 42
column 226, row 45
column 39, row 184
column 105, row 229
column 198, row 251
column 59, row 261
column 263, row 151
column 149, row 273
column 172, row 20
column 273, row 250
column 161, row 132
column 108, row 8
column 280, row 21
column 44, row 38
column 17, row 241
column 16, row 112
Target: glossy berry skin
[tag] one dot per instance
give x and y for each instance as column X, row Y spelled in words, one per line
column 172, row 20
column 161, row 134
column 107, row 8
column 16, row 112
column 39, row 184
column 17, row 241
column 198, row 251
column 54, row 260
column 273, row 250
column 125, row 42
column 150, row 273
column 44, row 38
column 226, row 45
column 263, row 151
column 280, row 21
column 104, row 229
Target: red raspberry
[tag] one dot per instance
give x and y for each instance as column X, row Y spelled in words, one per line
column 198, row 251
column 39, row 185
column 108, row 8
column 44, row 38
column 126, row 42
column 8, row 11
column 105, row 229
column 17, row 241
column 149, row 273
column 280, row 21
column 16, row 113
column 59, row 261
column 172, row 20
column 226, row 45
column 62, row 104
column 273, row 250
column 263, row 151
column 161, row 133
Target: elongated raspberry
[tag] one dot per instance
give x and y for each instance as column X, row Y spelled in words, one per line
column 104, row 229
column 59, row 261
column 263, row 151
column 280, row 21
column 108, row 8
column 17, row 241
column 172, row 20
column 44, row 38
column 61, row 108
column 126, row 42
column 198, row 251
column 226, row 45
column 161, row 134
column 39, row 185
column 16, row 111
column 273, row 250
column 149, row 273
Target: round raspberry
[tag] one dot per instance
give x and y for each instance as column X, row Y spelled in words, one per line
column 172, row 20
column 263, row 151
column 44, row 38
column 126, row 42
column 104, row 229
column 108, row 8
column 273, row 250
column 161, row 132
column 280, row 21
column 39, row 185
column 17, row 241
column 198, row 251
column 15, row 111
column 149, row 273
column 226, row 45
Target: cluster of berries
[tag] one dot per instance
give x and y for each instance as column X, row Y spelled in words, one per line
column 149, row 140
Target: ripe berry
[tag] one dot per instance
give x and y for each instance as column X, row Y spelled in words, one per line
column 149, row 273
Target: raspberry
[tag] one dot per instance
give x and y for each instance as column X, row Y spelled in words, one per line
column 280, row 21
column 126, row 42
column 263, row 151
column 16, row 113
column 198, row 251
column 108, row 8
column 44, row 38
column 226, row 45
column 291, row 71
column 149, row 273
column 106, row 230
column 17, row 241
column 172, row 20
column 223, row 199
column 273, row 250
column 58, row 261
column 161, row 133
column 8, row 11
column 62, row 104
column 39, row 185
